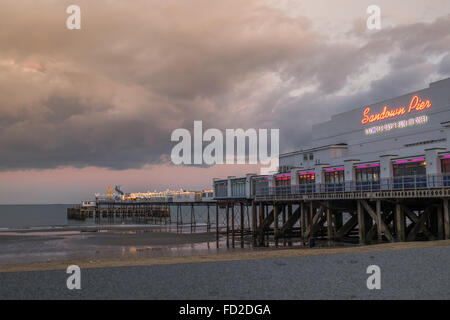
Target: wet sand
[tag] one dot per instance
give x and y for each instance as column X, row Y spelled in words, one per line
column 229, row 255
column 49, row 245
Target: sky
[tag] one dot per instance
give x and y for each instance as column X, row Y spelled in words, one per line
column 81, row 110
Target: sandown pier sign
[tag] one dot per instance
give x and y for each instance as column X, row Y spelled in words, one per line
column 416, row 105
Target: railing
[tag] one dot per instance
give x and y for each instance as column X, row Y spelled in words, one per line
column 385, row 184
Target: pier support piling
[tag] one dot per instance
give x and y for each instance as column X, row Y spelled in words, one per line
column 242, row 225
column 254, row 224
column 400, row 222
column 217, row 225
column 446, row 219
column 228, row 224
column 275, row 219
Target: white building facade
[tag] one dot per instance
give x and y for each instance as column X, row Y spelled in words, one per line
column 400, row 143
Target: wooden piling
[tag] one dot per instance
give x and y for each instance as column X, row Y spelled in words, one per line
column 254, row 224
column 242, row 225
column 329, row 224
column 289, row 207
column 361, row 222
column 232, row 225
column 275, row 223
column 311, row 225
column 400, row 222
column 208, row 222
column 228, row 225
column 217, row 225
column 379, row 230
column 261, row 224
column 283, row 210
column 302, row 221
column 440, row 223
column 446, row 219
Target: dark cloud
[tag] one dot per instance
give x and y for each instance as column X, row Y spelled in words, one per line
column 444, row 67
column 110, row 94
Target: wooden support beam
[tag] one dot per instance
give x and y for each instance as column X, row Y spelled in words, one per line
column 379, row 220
column 412, row 216
column 292, row 219
column 347, row 227
column 446, row 219
column 232, row 224
column 440, row 223
column 242, row 225
column 208, row 219
column 254, row 223
column 275, row 225
column 400, row 222
column 266, row 228
column 311, row 223
column 228, row 224
column 313, row 220
column 261, row 224
column 382, row 226
column 283, row 216
column 217, row 225
column 361, row 222
column 268, row 220
column 420, row 225
column 302, row 221
column 339, row 219
column 372, row 231
column 329, row 223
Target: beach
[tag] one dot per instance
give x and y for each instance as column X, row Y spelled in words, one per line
column 163, row 262
column 416, row 270
column 102, row 242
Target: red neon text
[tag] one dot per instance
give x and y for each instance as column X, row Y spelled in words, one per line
column 415, row 104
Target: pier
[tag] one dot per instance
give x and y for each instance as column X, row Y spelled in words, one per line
column 281, row 216
column 140, row 211
column 347, row 217
column 148, row 212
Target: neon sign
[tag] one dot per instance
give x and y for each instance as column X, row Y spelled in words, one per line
column 397, row 125
column 416, row 104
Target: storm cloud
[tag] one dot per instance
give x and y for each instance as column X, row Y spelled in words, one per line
column 109, row 95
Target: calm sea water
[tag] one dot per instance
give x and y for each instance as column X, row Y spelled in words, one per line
column 25, row 216
column 55, row 215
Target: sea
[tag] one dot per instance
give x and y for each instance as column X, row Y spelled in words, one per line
column 32, row 233
column 55, row 216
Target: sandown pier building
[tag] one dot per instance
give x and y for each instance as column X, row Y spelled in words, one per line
column 381, row 170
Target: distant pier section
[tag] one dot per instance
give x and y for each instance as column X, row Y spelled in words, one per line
column 143, row 207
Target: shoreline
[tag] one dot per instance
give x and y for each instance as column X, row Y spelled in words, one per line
column 85, row 228
column 254, row 254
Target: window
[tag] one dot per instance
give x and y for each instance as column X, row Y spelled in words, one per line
column 445, row 165
column 238, row 188
column 221, row 189
column 410, row 169
column 311, row 156
column 368, row 174
column 306, row 178
column 282, row 181
column 305, row 157
column 260, row 185
column 334, row 177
